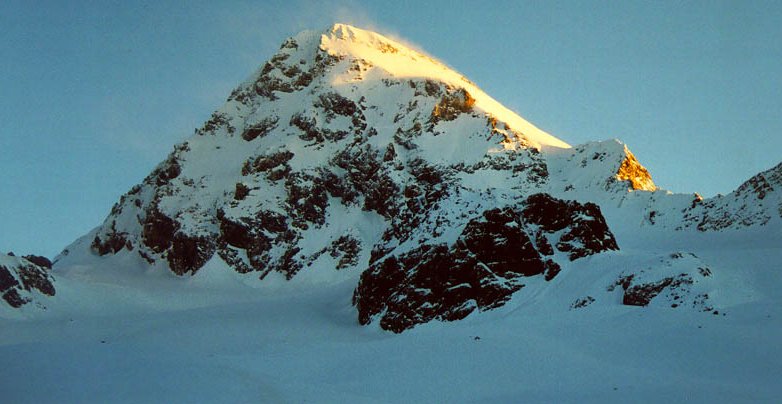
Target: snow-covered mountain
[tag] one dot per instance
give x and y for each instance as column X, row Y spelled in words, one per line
column 354, row 181
column 349, row 156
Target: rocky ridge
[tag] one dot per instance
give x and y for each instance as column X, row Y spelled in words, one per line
column 484, row 267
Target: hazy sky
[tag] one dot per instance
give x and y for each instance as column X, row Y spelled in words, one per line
column 95, row 94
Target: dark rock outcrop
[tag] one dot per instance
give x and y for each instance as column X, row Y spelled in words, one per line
column 189, row 253
column 674, row 281
column 268, row 163
column 586, row 231
column 641, row 294
column 484, row 267
column 111, row 242
column 260, row 129
column 158, row 230
column 19, row 277
column 39, row 260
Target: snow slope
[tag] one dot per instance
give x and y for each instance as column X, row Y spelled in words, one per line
column 305, row 346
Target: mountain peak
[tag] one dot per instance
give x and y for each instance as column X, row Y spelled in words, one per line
column 349, row 152
column 383, row 56
column 345, row 31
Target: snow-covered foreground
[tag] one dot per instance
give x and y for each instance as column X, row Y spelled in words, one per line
column 213, row 339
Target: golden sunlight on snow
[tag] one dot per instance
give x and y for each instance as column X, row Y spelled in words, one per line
column 401, row 61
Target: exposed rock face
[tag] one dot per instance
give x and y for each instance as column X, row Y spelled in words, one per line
column 453, row 103
column 584, row 230
column 484, row 267
column 678, row 280
column 189, row 253
column 22, row 281
column 41, row 261
column 260, row 129
column 604, row 166
column 638, row 176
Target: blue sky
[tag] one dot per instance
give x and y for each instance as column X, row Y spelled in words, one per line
column 94, row 94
